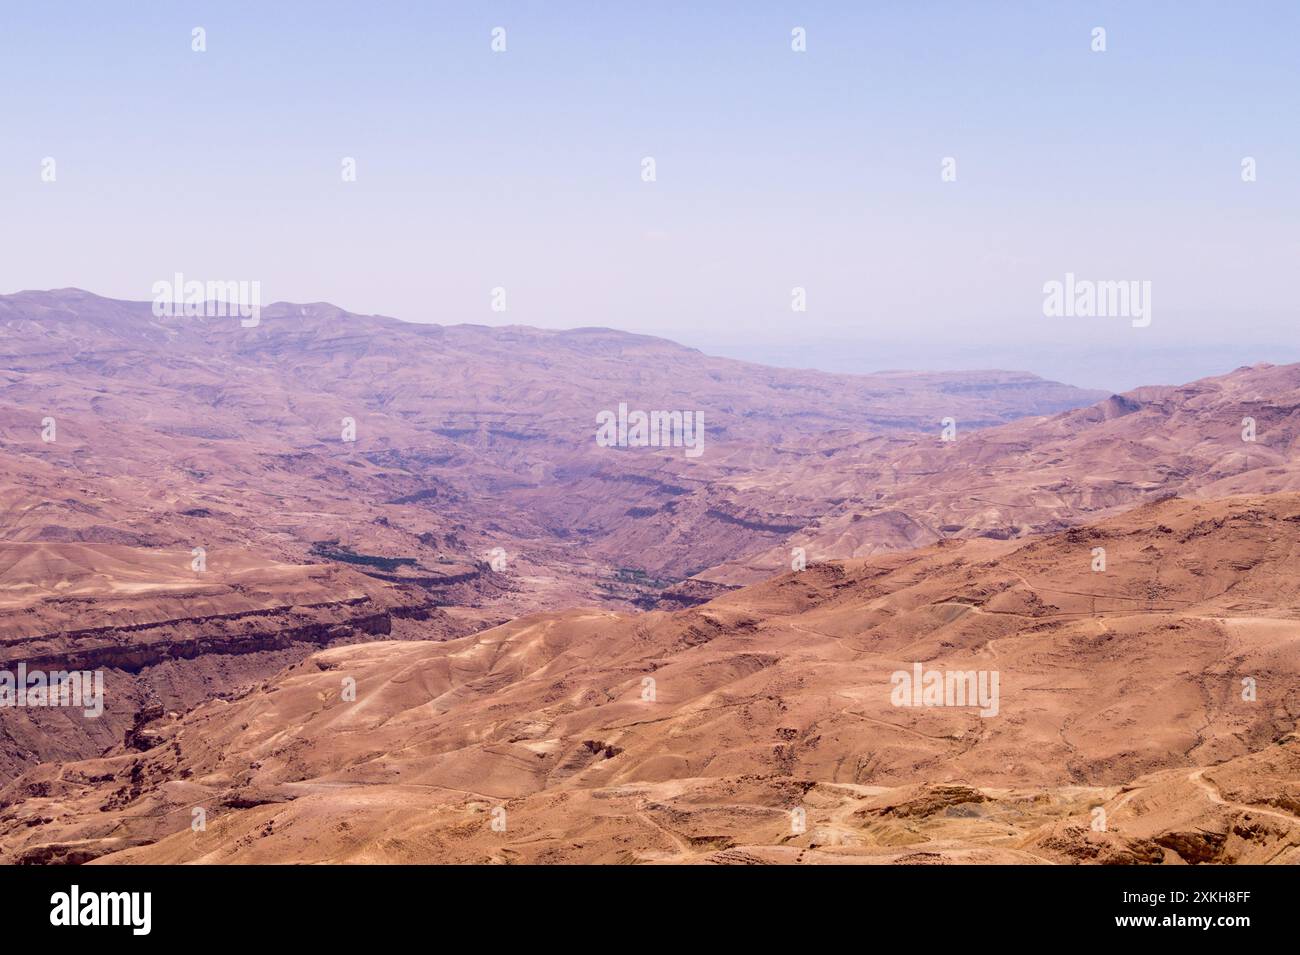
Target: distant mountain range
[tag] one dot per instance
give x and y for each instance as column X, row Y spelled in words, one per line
column 223, row 519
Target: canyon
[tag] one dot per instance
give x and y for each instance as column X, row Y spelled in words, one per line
column 697, row 735
column 176, row 433
column 367, row 590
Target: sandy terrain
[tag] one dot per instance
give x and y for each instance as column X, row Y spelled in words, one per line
column 474, row 635
column 1119, row 689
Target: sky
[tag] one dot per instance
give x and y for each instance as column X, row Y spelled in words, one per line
column 774, row 170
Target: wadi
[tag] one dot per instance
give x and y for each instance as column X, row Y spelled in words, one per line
column 468, row 631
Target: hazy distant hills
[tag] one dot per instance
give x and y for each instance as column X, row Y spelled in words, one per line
column 231, row 521
column 171, row 434
column 894, row 492
column 175, row 432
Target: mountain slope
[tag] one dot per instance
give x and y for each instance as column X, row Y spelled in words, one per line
column 473, row 492
column 1026, row 477
column 1120, row 689
column 190, row 431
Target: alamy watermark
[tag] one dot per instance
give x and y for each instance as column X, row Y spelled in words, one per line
column 178, row 298
column 130, row 909
column 62, row 688
column 651, row 429
column 1084, row 298
column 923, row 687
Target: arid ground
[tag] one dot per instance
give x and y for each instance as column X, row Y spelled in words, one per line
column 370, row 591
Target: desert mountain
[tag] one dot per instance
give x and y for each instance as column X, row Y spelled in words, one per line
column 1145, row 709
column 166, row 636
column 348, row 474
column 1234, row 434
column 182, row 431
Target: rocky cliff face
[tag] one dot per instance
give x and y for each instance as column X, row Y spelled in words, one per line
column 166, row 637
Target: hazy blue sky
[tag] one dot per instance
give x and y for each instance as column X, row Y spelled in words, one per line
column 775, row 169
